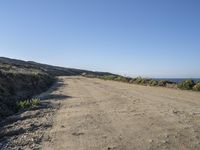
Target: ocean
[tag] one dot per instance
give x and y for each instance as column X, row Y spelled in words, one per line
column 178, row 80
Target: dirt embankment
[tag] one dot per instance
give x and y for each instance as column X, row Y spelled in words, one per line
column 20, row 86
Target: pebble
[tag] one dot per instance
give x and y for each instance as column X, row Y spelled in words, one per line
column 166, row 135
column 150, row 140
column 164, row 142
column 175, row 111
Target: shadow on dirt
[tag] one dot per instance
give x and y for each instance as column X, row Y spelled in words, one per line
column 50, row 95
column 55, row 97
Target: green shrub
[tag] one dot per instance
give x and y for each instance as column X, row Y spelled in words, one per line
column 186, row 85
column 165, row 83
column 26, row 104
column 110, row 77
column 145, row 81
column 197, row 87
column 132, row 80
column 153, row 83
column 138, row 80
column 122, row 79
column 162, row 83
column 35, row 101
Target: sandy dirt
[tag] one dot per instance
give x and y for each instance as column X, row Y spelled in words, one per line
column 105, row 115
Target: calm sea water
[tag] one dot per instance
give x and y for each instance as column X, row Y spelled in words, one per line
column 178, row 80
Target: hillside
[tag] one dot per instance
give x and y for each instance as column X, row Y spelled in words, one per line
column 49, row 69
column 21, row 80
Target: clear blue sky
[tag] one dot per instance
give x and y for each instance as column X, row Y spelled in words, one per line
column 151, row 38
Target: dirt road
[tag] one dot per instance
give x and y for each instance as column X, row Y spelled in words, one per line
column 108, row 115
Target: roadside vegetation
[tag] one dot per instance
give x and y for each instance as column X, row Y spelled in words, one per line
column 27, row 104
column 184, row 85
column 197, row 87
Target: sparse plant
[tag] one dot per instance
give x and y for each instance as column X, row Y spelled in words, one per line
column 153, row 83
column 186, row 85
column 122, row 79
column 35, row 101
column 132, row 80
column 162, row 83
column 145, row 81
column 109, row 77
column 138, row 80
column 197, row 87
column 26, row 104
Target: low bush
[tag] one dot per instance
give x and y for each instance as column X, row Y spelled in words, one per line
column 132, row 80
column 138, row 80
column 162, row 83
column 26, row 104
column 186, row 85
column 153, row 83
column 35, row 101
column 110, row 77
column 122, row 79
column 145, row 81
column 197, row 87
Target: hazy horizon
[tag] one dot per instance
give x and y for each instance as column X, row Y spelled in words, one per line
column 134, row 38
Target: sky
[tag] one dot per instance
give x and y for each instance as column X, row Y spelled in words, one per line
column 149, row 38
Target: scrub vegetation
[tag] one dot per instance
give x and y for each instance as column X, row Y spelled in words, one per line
column 197, row 87
column 184, row 85
column 26, row 104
